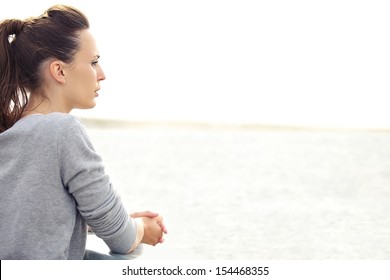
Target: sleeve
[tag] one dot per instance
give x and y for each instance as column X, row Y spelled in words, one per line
column 82, row 173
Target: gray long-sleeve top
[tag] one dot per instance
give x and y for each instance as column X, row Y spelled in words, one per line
column 52, row 183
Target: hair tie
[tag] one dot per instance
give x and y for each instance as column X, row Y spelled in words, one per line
column 15, row 27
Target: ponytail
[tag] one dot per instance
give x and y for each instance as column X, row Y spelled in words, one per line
column 13, row 97
column 24, row 46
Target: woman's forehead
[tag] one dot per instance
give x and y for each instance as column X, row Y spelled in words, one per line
column 88, row 44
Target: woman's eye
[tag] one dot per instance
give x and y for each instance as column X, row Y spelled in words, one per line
column 95, row 62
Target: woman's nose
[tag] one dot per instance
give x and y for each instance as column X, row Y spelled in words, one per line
column 100, row 74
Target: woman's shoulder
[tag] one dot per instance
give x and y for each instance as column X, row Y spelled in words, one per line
column 50, row 124
column 43, row 130
column 57, row 117
column 66, row 123
column 57, row 121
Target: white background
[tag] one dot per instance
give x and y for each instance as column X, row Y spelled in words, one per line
column 323, row 63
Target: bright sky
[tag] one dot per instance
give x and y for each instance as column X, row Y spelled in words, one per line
column 278, row 62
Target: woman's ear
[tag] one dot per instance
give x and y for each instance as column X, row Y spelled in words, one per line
column 57, row 71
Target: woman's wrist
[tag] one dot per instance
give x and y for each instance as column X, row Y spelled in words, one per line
column 139, row 233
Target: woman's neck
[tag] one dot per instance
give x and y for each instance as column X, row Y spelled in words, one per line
column 38, row 105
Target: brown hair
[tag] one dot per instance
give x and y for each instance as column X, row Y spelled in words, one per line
column 24, row 46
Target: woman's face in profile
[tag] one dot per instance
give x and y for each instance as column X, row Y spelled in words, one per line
column 83, row 75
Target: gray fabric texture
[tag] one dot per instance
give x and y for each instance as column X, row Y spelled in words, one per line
column 52, row 184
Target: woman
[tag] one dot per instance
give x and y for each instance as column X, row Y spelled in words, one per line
column 52, row 182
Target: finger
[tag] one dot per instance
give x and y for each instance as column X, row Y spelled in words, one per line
column 163, row 228
column 147, row 214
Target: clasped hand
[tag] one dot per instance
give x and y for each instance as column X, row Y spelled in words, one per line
column 154, row 228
